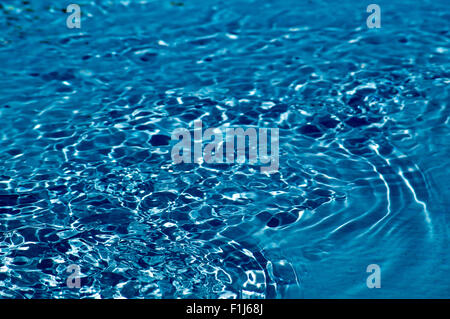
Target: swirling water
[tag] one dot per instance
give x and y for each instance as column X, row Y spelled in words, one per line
column 86, row 175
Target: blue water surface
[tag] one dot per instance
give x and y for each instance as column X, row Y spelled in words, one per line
column 87, row 179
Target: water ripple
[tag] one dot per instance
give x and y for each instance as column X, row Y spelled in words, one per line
column 87, row 177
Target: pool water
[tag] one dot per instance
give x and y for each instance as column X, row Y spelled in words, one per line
column 87, row 179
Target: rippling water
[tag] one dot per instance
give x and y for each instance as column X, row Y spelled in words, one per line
column 86, row 175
